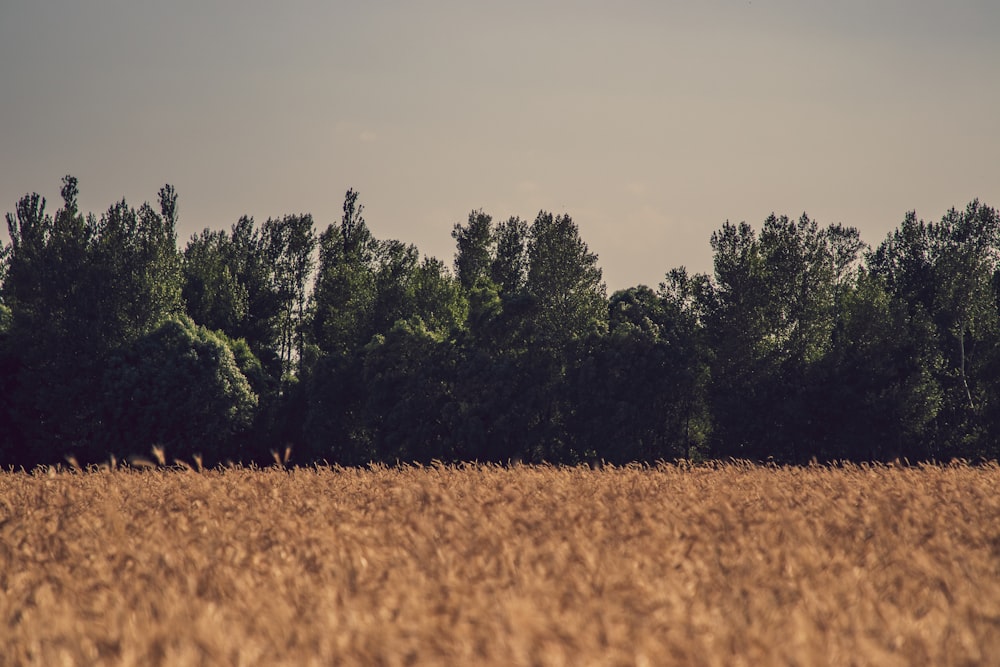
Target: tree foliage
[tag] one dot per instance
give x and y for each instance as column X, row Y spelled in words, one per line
column 802, row 343
column 80, row 288
column 180, row 388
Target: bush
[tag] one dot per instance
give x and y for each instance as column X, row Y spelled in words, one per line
column 180, row 387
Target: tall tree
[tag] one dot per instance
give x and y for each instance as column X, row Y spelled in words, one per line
column 475, row 253
column 344, row 294
column 410, row 404
column 806, row 266
column 229, row 285
column 550, row 299
column 879, row 384
column 771, row 319
column 395, row 265
column 213, row 293
column 966, row 245
column 289, row 245
column 637, row 393
column 343, row 322
column 947, row 270
column 438, row 298
column 509, row 268
column 79, row 289
column 138, row 267
column 565, row 280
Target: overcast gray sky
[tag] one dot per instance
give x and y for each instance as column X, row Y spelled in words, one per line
column 651, row 123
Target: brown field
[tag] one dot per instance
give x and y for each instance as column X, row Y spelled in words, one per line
column 714, row 565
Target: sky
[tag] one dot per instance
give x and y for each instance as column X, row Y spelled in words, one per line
column 651, row 123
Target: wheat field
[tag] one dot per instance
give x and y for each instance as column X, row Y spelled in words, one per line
column 481, row 565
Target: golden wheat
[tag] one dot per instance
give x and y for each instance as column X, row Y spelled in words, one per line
column 694, row 565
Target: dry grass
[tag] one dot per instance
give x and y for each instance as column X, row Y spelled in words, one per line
column 721, row 565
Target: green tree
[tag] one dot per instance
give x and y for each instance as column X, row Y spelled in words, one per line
column 947, row 270
column 879, row 384
column 179, row 387
column 213, row 294
column 79, row 289
column 807, row 267
column 372, row 303
column 395, row 265
column 509, row 267
column 229, row 285
column 638, row 392
column 250, row 262
column 565, row 280
column 738, row 322
column 47, row 262
column 476, row 249
column 526, row 324
column 364, row 286
column 137, row 266
column 966, row 246
column 344, row 294
column 410, row 406
column 288, row 246
column 438, row 298
column 771, row 319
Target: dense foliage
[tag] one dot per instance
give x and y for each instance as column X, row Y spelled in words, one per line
column 804, row 343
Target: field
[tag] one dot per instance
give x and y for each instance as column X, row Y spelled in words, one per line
column 694, row 565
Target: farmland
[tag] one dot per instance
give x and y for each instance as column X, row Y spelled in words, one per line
column 522, row 565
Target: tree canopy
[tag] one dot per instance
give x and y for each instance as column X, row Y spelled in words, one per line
column 804, row 343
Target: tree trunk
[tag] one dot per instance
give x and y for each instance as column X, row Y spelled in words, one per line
column 961, row 367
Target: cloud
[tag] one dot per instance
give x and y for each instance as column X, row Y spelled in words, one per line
column 367, row 136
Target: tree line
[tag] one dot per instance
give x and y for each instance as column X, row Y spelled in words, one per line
column 805, row 343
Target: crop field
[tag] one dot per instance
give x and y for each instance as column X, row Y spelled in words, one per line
column 675, row 564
